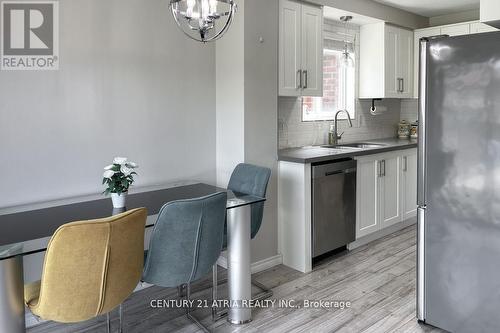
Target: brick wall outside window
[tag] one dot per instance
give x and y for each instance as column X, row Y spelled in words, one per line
column 323, row 108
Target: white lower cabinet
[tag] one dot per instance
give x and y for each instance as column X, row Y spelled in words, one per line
column 367, row 197
column 390, row 190
column 409, row 183
column 386, row 190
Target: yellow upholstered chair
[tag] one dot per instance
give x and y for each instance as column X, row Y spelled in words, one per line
column 90, row 268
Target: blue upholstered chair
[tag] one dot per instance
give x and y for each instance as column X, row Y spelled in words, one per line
column 252, row 180
column 186, row 242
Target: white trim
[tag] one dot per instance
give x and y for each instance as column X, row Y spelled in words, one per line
column 257, row 266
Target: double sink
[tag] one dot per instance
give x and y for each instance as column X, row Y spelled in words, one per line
column 361, row 145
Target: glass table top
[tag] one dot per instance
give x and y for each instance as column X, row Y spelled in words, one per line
column 25, row 231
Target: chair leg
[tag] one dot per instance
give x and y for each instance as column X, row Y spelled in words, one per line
column 216, row 313
column 188, row 312
column 120, row 311
column 264, row 294
column 181, row 290
column 108, row 323
column 108, row 320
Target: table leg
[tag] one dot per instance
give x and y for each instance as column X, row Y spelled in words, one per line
column 239, row 274
column 12, row 295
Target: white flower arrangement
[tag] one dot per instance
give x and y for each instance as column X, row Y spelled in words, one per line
column 119, row 176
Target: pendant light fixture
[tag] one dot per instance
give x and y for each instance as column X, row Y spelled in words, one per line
column 203, row 20
column 347, row 59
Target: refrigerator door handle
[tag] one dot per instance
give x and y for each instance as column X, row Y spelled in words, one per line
column 421, row 263
column 422, row 107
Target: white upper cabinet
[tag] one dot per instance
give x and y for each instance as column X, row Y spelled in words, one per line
column 386, row 62
column 490, row 12
column 312, row 51
column 478, row 28
column 406, row 63
column 300, row 49
column 458, row 29
column 289, row 48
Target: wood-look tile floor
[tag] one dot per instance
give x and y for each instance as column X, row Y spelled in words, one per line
column 378, row 279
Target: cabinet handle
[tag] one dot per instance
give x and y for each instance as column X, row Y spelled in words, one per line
column 383, row 168
column 402, row 85
column 305, row 79
column 399, row 84
column 299, row 73
column 405, row 163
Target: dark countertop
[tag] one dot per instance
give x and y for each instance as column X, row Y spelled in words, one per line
column 314, row 154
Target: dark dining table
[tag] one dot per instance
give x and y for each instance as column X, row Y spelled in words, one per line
column 26, row 230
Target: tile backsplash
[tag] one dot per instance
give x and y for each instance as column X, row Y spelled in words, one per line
column 293, row 132
column 409, row 110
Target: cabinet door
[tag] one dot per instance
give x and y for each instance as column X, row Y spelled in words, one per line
column 406, row 62
column 455, row 30
column 392, row 68
column 409, row 182
column 367, row 197
column 416, row 51
column 390, row 189
column 289, row 48
column 312, row 51
column 477, row 28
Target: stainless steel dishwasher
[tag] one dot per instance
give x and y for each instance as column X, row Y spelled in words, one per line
column 333, row 205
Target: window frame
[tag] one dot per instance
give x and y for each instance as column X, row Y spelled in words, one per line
column 330, row 116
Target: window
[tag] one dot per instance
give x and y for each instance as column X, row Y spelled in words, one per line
column 338, row 89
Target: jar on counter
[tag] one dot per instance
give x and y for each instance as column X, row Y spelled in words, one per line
column 404, row 129
column 414, row 130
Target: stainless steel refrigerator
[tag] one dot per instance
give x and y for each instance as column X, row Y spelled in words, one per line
column 458, row 253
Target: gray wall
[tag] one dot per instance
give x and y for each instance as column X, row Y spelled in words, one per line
column 129, row 84
column 247, row 104
column 261, row 111
column 230, row 78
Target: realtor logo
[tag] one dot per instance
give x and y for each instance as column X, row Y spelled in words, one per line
column 29, row 35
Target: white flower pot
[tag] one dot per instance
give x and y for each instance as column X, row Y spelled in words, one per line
column 118, row 200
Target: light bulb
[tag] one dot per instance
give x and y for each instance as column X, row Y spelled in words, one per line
column 347, row 60
column 213, row 6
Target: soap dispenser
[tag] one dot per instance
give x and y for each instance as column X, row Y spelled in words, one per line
column 332, row 135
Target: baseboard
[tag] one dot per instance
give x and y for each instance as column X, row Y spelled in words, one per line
column 381, row 233
column 257, row 266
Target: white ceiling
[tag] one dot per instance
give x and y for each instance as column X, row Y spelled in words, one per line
column 431, row 8
column 335, row 14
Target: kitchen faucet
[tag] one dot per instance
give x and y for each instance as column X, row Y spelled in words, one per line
column 333, row 136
